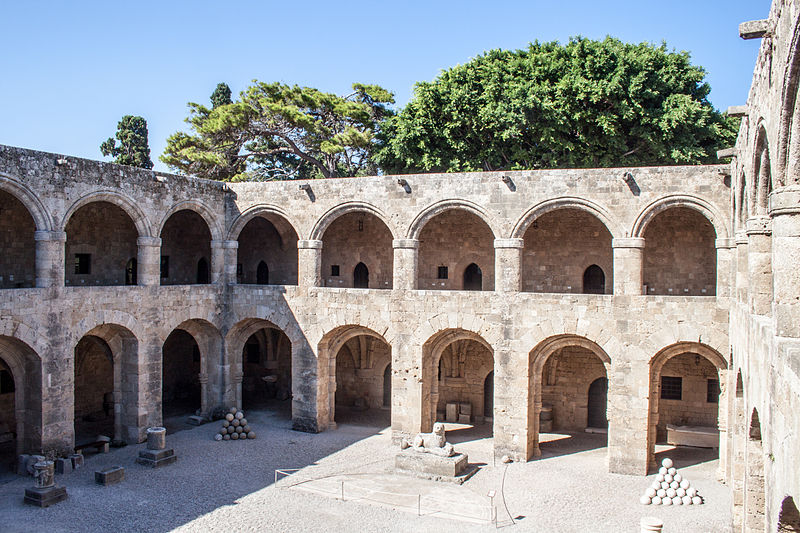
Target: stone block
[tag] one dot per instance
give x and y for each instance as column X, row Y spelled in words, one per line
column 45, row 497
column 77, row 460
column 463, row 419
column 435, row 467
column 157, row 458
column 63, row 466
column 451, row 412
column 753, row 29
column 22, row 464
column 196, row 420
column 110, row 475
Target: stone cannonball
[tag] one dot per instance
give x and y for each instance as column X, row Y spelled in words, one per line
column 671, row 493
column 660, row 478
column 234, row 436
column 684, row 484
column 251, row 434
column 666, row 501
column 663, row 471
column 226, row 437
column 677, row 477
column 218, row 436
column 656, row 501
column 239, row 415
column 661, row 493
column 691, row 491
column 672, row 471
column 650, row 492
column 239, row 429
column 668, row 478
column 228, row 417
column 243, row 421
column 246, row 428
column 674, row 485
column 233, row 410
column 677, row 501
column 225, row 423
column 236, row 423
column 687, row 500
column 644, row 500
column 656, row 485
column 664, row 485
column 667, row 463
column 697, row 500
column 680, row 492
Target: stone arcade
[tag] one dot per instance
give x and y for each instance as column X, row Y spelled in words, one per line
column 633, row 298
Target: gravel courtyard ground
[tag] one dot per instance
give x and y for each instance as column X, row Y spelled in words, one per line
column 229, row 486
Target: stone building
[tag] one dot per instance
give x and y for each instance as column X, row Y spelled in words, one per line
column 625, row 299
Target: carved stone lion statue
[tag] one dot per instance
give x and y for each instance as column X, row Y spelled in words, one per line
column 434, row 442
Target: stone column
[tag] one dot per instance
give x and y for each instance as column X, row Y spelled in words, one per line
column 309, row 259
column 785, row 211
column 411, row 391
column 741, row 267
column 508, row 264
column 406, row 252
column 628, row 265
column 725, row 251
column 511, row 403
column 148, row 261
column 629, row 416
column 759, row 264
column 224, row 255
column 50, row 258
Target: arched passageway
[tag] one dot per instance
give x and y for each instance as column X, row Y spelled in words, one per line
column 594, row 280
column 363, row 371
column 357, row 252
column 597, row 404
column 185, row 249
column 680, row 257
column 101, row 241
column 94, row 390
column 181, row 365
column 267, row 253
column 789, row 517
column 449, row 244
column 267, row 371
column 20, row 402
column 17, row 246
column 685, row 396
column 559, row 248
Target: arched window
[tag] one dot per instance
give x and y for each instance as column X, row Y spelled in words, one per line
column 202, row 271
column 594, row 280
column 488, row 396
column 262, row 274
column 130, row 272
column 473, row 278
column 361, row 276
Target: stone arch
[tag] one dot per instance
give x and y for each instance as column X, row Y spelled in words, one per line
column 567, row 202
column 657, row 363
column 424, row 216
column 127, row 204
column 537, row 359
column 754, row 482
column 205, row 212
column 186, row 238
column 740, row 202
column 761, row 184
column 714, row 216
column 20, row 191
column 348, row 207
column 788, row 160
column 25, row 366
column 127, row 375
column 327, row 351
column 259, row 210
column 267, row 234
column 788, row 517
column 208, row 339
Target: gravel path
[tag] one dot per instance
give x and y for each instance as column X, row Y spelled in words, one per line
column 229, row 486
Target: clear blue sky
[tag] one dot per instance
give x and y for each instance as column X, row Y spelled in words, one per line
column 70, row 70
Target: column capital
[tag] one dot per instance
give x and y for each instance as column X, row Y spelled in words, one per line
column 741, row 238
column 725, row 243
column 225, row 245
column 148, row 241
column 785, row 201
column 411, row 244
column 509, row 243
column 310, row 244
column 52, row 236
column 628, row 242
column 761, row 225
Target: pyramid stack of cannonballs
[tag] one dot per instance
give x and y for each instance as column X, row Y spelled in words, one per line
column 234, row 427
column 670, row 488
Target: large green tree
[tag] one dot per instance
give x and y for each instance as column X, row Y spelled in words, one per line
column 584, row 104
column 278, row 131
column 133, row 149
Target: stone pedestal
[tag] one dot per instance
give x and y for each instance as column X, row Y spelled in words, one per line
column 156, row 438
column 45, row 497
column 110, row 475
column 156, row 458
column 435, row 467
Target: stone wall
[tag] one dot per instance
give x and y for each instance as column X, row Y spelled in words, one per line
column 360, row 366
column 357, row 238
column 260, row 241
column 693, row 409
column 566, row 378
column 185, row 241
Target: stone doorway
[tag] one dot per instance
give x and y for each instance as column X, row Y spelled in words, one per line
column 361, row 276
column 473, row 278
column 180, row 382
column 94, row 390
column 267, row 371
column 363, row 370
column 596, row 404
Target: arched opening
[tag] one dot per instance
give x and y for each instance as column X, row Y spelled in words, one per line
column 594, row 280
column 131, row 274
column 185, row 243
column 448, row 243
column 202, row 271
column 473, row 278
column 789, row 517
column 181, row 366
column 363, row 366
column 353, row 239
column 738, row 452
column 267, row 236
column 361, row 276
column 680, row 257
column 596, row 404
column 20, row 403
column 557, row 247
column 101, row 239
column 267, row 371
column 94, row 390
column 754, row 478
column 685, row 390
column 488, row 397
column 17, row 246
column 387, row 386
column 262, row 274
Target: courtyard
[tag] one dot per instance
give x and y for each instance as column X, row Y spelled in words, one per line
column 230, row 486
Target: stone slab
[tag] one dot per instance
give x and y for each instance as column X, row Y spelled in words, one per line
column 434, row 467
column 463, row 418
column 196, row 420
column 157, row 458
column 45, row 497
column 109, row 476
column 451, row 410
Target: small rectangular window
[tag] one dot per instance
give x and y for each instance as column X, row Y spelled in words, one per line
column 442, row 274
column 334, row 270
column 671, row 388
column 164, row 266
column 6, row 382
column 83, row 263
column 712, row 395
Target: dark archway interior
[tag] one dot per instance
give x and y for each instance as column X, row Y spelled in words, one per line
column 594, row 280
column 17, row 246
column 473, row 278
column 8, row 419
column 271, row 241
column 94, row 390
column 180, row 384
column 185, row 247
column 363, row 369
column 789, row 518
column 597, row 404
column 465, row 385
column 267, row 371
column 360, row 243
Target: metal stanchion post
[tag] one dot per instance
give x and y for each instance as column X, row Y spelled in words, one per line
column 342, row 490
column 419, row 505
column 492, row 514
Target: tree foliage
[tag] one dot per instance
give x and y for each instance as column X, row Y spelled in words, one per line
column 584, row 104
column 133, row 149
column 277, row 131
column 221, row 95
